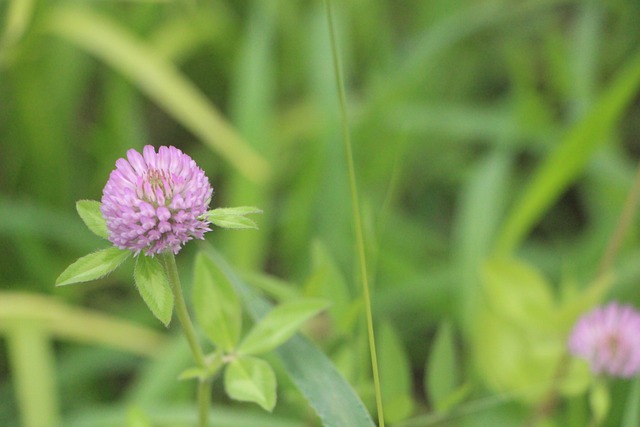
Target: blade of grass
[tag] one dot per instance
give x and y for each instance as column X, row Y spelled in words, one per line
column 570, row 158
column 357, row 218
column 18, row 16
column 159, row 80
column 252, row 110
column 33, row 373
column 76, row 324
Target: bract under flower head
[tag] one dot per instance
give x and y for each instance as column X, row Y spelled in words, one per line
column 152, row 201
column 608, row 338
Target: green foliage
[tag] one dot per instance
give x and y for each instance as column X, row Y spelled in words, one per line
column 216, row 304
column 252, row 380
column 443, row 373
column 395, row 376
column 93, row 266
column 89, row 211
column 494, row 146
column 234, row 218
column 154, row 287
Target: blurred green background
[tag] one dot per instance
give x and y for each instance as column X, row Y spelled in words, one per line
column 479, row 126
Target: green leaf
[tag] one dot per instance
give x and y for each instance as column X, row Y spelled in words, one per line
column 518, row 292
column 93, row 266
column 153, row 285
column 89, row 211
column 441, row 375
column 599, row 401
column 214, row 363
column 327, row 281
column 216, row 304
column 250, row 379
column 136, row 417
column 631, row 416
column 279, row 325
column 570, row 157
column 233, row 217
column 395, row 376
column 327, row 392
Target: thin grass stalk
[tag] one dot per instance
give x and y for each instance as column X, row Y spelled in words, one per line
column 626, row 218
column 357, row 219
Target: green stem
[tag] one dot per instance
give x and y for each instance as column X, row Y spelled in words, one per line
column 204, row 400
column 359, row 234
column 204, row 387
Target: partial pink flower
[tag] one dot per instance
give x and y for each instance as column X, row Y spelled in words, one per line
column 608, row 338
column 152, row 201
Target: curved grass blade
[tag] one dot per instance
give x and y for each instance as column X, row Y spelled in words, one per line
column 570, row 158
column 161, row 81
column 311, row 371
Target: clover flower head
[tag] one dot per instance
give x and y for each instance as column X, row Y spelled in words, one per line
column 152, row 201
column 608, row 338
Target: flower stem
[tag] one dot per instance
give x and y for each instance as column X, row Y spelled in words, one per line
column 359, row 234
column 204, row 400
column 204, row 387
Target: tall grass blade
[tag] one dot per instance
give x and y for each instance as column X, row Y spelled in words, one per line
column 159, row 80
column 357, row 218
column 570, row 158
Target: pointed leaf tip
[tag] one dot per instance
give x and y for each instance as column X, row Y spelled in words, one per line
column 280, row 324
column 250, row 379
column 93, row 266
column 89, row 211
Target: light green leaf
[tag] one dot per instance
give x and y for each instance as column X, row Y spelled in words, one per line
column 395, row 376
column 216, row 304
column 214, row 363
column 89, row 211
column 136, row 417
column 92, row 266
column 518, row 292
column 250, row 379
column 599, row 401
column 441, row 375
column 233, row 217
column 279, row 325
column 153, row 285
